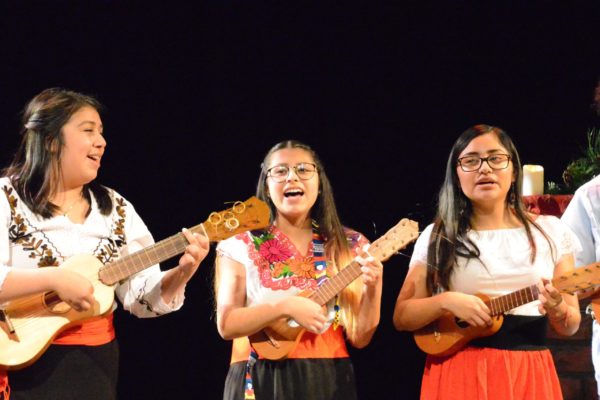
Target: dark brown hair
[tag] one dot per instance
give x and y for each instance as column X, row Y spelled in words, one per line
column 35, row 167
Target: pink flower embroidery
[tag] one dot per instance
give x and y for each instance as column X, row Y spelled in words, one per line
column 273, row 251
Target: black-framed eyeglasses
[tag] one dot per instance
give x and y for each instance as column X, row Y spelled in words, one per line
column 473, row 163
column 304, row 171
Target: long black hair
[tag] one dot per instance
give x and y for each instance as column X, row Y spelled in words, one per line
column 35, row 168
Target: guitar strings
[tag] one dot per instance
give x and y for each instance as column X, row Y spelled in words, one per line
column 25, row 318
column 23, row 315
column 21, row 320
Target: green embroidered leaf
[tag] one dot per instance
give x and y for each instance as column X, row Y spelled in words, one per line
column 259, row 240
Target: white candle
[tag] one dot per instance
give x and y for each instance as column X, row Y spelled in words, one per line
column 533, row 180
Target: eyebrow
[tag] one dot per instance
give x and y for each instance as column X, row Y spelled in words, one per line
column 89, row 122
column 493, row 151
column 298, row 163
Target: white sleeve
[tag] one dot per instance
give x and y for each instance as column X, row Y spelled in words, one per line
column 576, row 217
column 234, row 248
column 564, row 239
column 140, row 294
column 4, row 238
column 420, row 250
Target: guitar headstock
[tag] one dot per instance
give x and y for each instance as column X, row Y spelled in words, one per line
column 242, row 216
column 395, row 239
column 583, row 280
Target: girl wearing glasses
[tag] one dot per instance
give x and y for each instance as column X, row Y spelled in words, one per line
column 483, row 241
column 260, row 273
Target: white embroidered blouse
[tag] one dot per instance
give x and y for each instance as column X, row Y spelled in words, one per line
column 30, row 241
column 275, row 269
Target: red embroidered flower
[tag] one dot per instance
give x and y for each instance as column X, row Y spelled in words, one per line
column 273, row 251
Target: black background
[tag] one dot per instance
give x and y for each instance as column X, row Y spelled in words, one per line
column 196, row 93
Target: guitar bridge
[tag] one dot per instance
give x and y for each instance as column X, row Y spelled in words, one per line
column 272, row 340
column 437, row 335
column 6, row 319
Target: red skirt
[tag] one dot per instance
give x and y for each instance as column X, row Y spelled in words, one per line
column 491, row 374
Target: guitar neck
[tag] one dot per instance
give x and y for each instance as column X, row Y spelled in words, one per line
column 507, row 302
column 383, row 248
column 145, row 258
column 333, row 286
column 581, row 279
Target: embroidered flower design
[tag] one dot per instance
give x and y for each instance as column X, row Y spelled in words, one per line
column 280, row 269
column 279, row 264
column 274, row 251
column 41, row 248
column 303, row 268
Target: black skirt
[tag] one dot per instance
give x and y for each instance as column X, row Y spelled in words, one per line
column 301, row 379
column 68, row 372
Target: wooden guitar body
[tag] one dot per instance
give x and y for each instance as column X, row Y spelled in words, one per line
column 279, row 339
column 51, row 316
column 447, row 335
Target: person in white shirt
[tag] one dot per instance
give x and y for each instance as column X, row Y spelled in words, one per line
column 484, row 242
column 52, row 208
column 259, row 275
column 583, row 217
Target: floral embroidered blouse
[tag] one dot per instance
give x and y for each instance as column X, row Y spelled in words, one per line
column 30, row 241
column 275, row 269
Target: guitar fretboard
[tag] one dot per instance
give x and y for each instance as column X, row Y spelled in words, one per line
column 333, row 286
column 140, row 260
column 383, row 248
column 502, row 304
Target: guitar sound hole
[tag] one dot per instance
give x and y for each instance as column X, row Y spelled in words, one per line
column 461, row 323
column 55, row 304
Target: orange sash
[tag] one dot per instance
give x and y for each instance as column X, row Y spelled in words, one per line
column 94, row 332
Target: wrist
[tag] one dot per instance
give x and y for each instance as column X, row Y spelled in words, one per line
column 282, row 306
column 183, row 274
column 559, row 313
column 442, row 299
column 53, row 278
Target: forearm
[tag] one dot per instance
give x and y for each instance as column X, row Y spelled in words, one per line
column 244, row 321
column 24, row 282
column 566, row 319
column 415, row 313
column 173, row 282
column 368, row 316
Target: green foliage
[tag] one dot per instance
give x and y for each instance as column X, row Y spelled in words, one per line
column 580, row 170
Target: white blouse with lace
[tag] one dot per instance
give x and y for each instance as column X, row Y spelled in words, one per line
column 505, row 260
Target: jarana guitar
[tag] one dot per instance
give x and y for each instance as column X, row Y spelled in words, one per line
column 277, row 340
column 28, row 324
column 447, row 335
